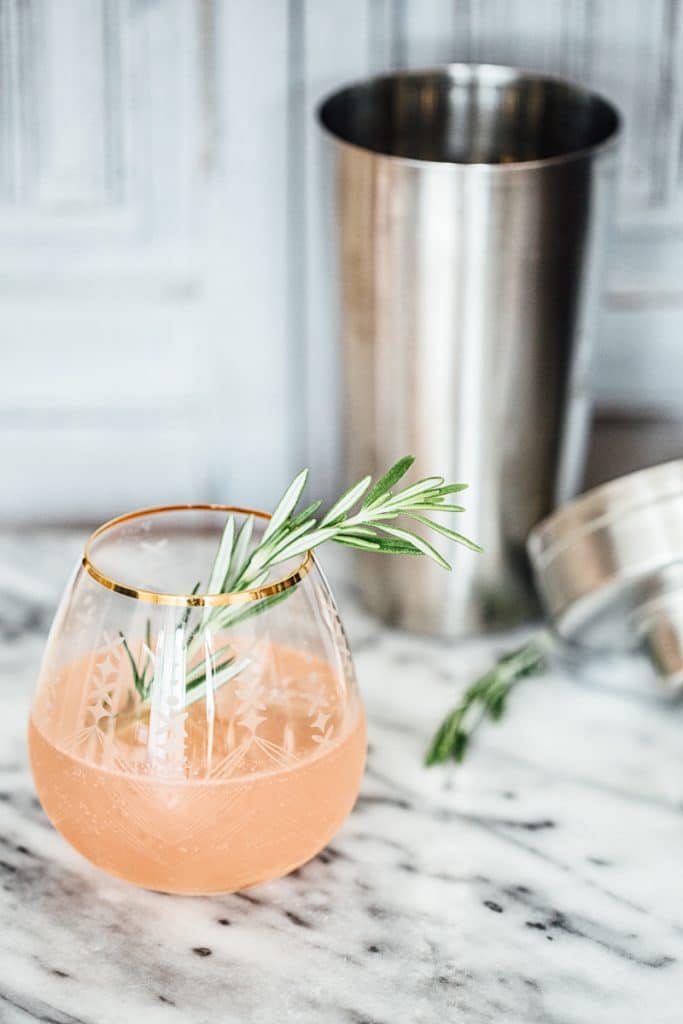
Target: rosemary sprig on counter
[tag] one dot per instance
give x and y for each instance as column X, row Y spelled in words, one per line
column 363, row 517
column 485, row 697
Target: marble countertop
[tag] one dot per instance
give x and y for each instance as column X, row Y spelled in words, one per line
column 539, row 882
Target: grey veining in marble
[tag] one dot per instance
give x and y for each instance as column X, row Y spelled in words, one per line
column 540, row 882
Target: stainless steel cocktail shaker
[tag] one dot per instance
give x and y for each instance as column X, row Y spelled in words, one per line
column 473, row 204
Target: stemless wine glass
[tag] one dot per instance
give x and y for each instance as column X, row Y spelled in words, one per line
column 193, row 742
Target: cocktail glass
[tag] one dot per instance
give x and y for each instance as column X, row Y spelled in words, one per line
column 192, row 742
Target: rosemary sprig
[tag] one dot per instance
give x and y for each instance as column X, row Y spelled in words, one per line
column 485, row 697
column 289, row 534
column 140, row 674
column 240, row 566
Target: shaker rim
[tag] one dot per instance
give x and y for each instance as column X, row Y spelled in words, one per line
column 462, row 72
column 600, row 507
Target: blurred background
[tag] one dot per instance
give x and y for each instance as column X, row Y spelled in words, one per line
column 167, row 324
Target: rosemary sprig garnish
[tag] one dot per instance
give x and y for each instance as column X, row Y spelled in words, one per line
column 239, row 566
column 485, row 697
column 140, row 674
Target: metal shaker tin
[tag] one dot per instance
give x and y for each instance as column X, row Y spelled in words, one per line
column 609, row 568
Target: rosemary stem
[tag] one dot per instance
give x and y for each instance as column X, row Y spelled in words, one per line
column 487, row 695
column 358, row 518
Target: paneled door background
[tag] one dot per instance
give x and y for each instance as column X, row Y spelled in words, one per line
column 167, row 327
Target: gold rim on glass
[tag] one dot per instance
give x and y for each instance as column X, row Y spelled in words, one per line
column 192, row 600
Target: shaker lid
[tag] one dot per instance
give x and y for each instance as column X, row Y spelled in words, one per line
column 609, row 568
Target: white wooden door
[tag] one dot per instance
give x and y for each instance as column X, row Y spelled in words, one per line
column 102, row 335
